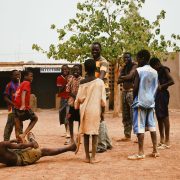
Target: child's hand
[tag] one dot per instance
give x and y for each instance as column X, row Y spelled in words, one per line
column 21, row 138
column 22, row 108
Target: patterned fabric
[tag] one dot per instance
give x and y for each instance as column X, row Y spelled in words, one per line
column 148, row 83
column 10, row 90
column 73, row 85
column 102, row 65
column 127, row 100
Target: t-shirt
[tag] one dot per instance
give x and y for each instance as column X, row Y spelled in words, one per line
column 10, row 90
column 148, row 84
column 24, row 86
column 73, row 85
column 61, row 82
column 102, row 65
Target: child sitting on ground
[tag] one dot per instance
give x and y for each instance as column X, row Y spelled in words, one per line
column 91, row 98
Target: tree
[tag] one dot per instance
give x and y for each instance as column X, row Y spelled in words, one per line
column 117, row 24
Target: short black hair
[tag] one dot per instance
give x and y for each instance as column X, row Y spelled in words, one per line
column 90, row 65
column 154, row 61
column 144, row 55
column 65, row 65
column 128, row 53
column 79, row 66
column 97, row 43
column 12, row 72
column 27, row 72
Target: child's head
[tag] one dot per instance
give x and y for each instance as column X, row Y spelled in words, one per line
column 77, row 70
column 155, row 63
column 90, row 66
column 143, row 57
column 28, row 75
column 65, row 70
column 15, row 76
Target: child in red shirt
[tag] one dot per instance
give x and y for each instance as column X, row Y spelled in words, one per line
column 22, row 106
column 61, row 83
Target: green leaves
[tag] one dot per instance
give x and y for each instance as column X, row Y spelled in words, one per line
column 117, row 25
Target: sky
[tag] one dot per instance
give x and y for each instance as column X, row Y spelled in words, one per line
column 24, row 22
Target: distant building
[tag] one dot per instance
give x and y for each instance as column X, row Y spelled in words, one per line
column 43, row 85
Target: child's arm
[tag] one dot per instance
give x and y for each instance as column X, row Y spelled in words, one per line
column 136, row 84
column 169, row 83
column 23, row 100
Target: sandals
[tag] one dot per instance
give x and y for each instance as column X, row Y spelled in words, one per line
column 163, row 146
column 136, row 157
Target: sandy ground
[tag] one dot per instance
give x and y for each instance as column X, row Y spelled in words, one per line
column 114, row 164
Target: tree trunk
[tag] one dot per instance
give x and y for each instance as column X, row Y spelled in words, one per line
column 116, row 92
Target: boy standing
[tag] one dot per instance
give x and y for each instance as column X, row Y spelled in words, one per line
column 126, row 78
column 9, row 96
column 91, row 98
column 145, row 87
column 102, row 68
column 62, row 80
column 72, row 87
column 22, row 106
column 162, row 101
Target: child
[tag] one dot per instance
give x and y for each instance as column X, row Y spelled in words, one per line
column 72, row 89
column 145, row 87
column 91, row 98
column 62, row 80
column 22, row 106
column 9, row 96
column 162, row 101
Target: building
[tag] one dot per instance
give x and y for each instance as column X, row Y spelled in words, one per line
column 43, row 85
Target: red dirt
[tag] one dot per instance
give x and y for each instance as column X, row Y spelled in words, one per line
column 114, row 164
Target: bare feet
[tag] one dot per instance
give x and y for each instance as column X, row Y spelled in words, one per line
column 78, row 142
column 87, row 160
column 124, row 139
column 154, row 154
column 31, row 138
column 94, row 160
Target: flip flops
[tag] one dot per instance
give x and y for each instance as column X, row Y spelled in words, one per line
column 163, row 146
column 136, row 157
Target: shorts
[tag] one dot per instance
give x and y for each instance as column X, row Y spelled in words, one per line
column 75, row 114
column 25, row 114
column 143, row 119
column 161, row 104
column 27, row 156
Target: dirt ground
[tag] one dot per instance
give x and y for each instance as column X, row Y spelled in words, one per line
column 114, row 164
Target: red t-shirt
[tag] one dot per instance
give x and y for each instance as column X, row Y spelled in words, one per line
column 24, row 86
column 61, row 82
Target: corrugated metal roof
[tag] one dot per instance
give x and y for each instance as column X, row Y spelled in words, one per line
column 22, row 66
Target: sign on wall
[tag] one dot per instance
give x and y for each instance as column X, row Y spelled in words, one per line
column 50, row 70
